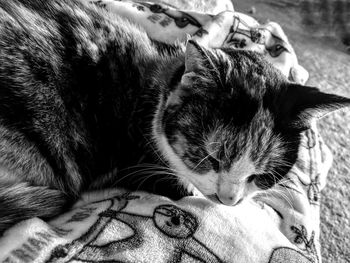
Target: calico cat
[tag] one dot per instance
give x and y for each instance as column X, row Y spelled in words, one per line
column 84, row 93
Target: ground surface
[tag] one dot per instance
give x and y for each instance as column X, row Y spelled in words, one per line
column 318, row 34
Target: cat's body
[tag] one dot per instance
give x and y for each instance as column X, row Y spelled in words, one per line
column 83, row 94
column 71, row 84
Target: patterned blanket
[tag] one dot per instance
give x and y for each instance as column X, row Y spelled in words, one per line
column 115, row 225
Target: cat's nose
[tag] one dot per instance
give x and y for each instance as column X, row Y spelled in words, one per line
column 229, row 200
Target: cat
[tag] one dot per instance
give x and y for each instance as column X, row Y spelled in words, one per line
column 84, row 93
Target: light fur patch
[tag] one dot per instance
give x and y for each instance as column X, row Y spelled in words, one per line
column 232, row 185
column 242, row 168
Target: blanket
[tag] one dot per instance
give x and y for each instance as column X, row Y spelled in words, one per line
column 115, row 225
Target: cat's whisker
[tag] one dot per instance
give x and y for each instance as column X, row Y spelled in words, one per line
column 155, row 173
column 155, row 151
column 206, row 157
column 147, row 165
column 279, row 195
column 141, row 174
column 165, row 178
column 136, row 166
column 285, row 180
column 283, row 195
column 132, row 174
column 166, row 174
column 276, row 184
column 144, row 179
column 281, row 163
column 275, row 191
column 153, row 169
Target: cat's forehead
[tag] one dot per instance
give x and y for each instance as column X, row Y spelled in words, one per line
column 243, row 126
column 248, row 72
column 244, row 109
column 244, row 60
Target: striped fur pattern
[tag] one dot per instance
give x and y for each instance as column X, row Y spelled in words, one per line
column 84, row 94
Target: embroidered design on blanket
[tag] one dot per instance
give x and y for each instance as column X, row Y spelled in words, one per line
column 306, row 255
column 166, row 24
column 241, row 33
column 181, row 19
column 118, row 234
column 282, row 254
column 301, row 238
column 313, row 190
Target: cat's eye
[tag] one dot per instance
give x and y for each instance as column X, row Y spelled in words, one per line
column 156, row 8
column 278, row 47
column 264, row 181
column 251, row 178
column 215, row 163
column 276, row 50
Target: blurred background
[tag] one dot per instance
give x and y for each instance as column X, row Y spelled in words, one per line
column 319, row 31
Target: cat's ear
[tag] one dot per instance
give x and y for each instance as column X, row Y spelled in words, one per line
column 197, row 62
column 299, row 104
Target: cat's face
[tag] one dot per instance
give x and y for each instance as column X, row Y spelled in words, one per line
column 231, row 124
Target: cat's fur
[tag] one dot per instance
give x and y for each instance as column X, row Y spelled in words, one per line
column 83, row 94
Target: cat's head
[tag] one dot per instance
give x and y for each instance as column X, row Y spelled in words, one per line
column 230, row 124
